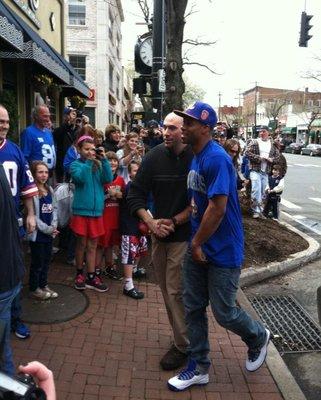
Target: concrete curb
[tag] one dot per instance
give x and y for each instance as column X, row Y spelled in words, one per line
column 253, row 275
column 285, row 381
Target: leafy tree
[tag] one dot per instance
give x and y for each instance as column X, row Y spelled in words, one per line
column 192, row 93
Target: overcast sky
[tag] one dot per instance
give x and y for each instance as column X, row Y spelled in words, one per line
column 256, row 41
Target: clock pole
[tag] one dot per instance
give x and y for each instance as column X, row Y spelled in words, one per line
column 158, row 54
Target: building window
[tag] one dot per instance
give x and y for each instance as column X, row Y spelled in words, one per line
column 77, row 12
column 111, row 117
column 110, row 26
column 111, row 77
column 319, row 103
column 118, row 120
column 310, row 103
column 79, row 64
column 117, row 87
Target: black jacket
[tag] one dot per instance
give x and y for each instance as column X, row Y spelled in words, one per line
column 164, row 175
column 11, row 262
column 64, row 137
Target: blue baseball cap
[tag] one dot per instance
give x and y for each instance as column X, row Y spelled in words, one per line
column 201, row 112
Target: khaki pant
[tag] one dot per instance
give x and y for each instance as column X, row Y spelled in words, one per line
column 167, row 261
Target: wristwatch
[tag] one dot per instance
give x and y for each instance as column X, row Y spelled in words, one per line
column 174, row 221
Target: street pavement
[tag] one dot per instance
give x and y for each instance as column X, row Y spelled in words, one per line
column 301, row 199
column 112, row 351
column 301, row 207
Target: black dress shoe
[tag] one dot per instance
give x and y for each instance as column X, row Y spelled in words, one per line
column 133, row 293
column 173, row 359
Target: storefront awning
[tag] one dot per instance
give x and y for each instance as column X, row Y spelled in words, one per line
column 39, row 51
column 76, row 81
column 11, row 37
column 289, row 131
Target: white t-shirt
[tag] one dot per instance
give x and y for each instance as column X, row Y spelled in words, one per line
column 265, row 148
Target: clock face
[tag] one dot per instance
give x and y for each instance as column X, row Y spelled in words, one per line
column 146, row 51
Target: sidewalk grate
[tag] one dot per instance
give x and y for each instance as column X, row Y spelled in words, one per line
column 292, row 329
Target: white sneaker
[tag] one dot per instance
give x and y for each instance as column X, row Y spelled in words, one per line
column 256, row 215
column 52, row 293
column 256, row 357
column 40, row 294
column 186, row 378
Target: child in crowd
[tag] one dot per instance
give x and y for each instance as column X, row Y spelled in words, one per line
column 41, row 239
column 89, row 173
column 111, row 238
column 133, row 243
column 132, row 151
column 274, row 190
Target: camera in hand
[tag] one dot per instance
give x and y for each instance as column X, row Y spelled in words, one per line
column 99, row 150
column 21, row 387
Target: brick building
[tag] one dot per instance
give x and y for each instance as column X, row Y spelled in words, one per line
column 277, row 104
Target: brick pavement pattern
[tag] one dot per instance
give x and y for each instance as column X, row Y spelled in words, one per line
column 112, row 351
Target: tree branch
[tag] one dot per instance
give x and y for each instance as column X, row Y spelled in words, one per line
column 200, row 65
column 197, row 42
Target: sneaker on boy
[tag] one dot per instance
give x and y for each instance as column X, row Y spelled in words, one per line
column 80, row 282
column 96, row 284
column 256, row 357
column 40, row 294
column 113, row 273
column 52, row 293
column 133, row 293
column 139, row 273
column 188, row 377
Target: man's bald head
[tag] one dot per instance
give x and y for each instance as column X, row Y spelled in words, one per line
column 4, row 123
column 172, row 132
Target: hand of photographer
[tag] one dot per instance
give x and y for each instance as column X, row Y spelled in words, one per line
column 43, row 377
column 100, row 154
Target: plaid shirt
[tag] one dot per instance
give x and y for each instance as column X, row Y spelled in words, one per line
column 253, row 153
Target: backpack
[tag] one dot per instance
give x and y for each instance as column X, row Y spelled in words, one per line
column 64, row 194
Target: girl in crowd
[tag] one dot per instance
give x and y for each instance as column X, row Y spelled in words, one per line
column 41, row 240
column 233, row 148
column 132, row 151
column 89, row 173
column 111, row 238
column 112, row 137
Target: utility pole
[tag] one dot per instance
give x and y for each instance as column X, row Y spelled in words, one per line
column 255, row 106
column 158, row 55
column 219, row 105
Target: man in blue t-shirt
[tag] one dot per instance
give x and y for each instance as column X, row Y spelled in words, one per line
column 37, row 141
column 212, row 265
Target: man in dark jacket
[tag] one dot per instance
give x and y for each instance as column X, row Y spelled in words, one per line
column 163, row 173
column 64, row 137
column 12, row 269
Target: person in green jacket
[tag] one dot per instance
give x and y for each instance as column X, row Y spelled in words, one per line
column 89, row 173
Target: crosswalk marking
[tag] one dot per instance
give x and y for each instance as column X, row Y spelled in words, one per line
column 317, row 199
column 307, row 165
column 290, row 205
column 309, row 224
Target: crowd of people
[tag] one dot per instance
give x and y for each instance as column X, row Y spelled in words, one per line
column 171, row 190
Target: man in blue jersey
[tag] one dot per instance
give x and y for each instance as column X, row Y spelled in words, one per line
column 22, row 187
column 37, row 141
column 212, row 266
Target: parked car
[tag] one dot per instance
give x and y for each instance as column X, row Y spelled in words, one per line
column 294, row 148
column 312, row 150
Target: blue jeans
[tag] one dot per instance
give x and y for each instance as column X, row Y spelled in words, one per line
column 259, row 182
column 217, row 286
column 6, row 299
column 40, row 261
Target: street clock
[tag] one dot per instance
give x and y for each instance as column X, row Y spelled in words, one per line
column 144, row 54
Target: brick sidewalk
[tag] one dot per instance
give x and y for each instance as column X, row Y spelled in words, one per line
column 112, row 351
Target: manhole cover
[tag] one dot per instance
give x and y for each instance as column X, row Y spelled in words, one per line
column 68, row 305
column 293, row 330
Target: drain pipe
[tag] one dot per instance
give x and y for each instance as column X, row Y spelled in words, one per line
column 319, row 303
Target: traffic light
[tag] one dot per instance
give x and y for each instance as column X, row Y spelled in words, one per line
column 305, row 27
